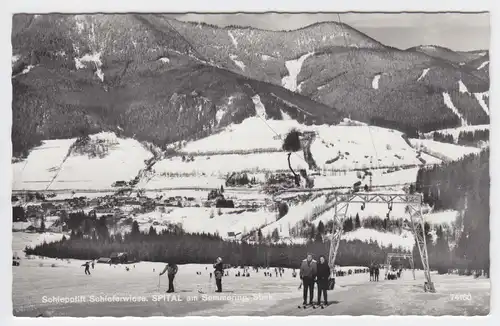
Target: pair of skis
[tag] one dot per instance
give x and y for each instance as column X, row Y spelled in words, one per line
column 312, row 305
column 305, row 306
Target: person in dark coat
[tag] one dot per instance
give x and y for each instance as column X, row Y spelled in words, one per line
column 308, row 275
column 219, row 271
column 323, row 274
column 171, row 269
column 87, row 268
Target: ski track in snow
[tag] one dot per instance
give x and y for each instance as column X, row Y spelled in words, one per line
column 375, row 81
column 426, row 70
column 260, row 110
column 482, row 102
column 462, row 88
column 451, row 106
column 235, row 42
column 483, row 65
column 294, row 67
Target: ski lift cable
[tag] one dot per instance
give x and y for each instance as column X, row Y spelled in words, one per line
column 349, row 54
column 58, row 171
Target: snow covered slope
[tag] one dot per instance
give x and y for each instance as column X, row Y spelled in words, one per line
column 41, row 165
column 405, row 241
column 206, row 162
column 447, row 152
column 358, row 144
column 76, row 168
column 202, row 219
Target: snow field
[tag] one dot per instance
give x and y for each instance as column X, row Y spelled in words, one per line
column 197, row 219
column 448, row 102
column 124, row 160
column 447, row 152
column 294, row 67
column 276, row 292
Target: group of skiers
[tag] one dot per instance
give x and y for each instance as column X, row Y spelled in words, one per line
column 310, row 272
column 314, row 272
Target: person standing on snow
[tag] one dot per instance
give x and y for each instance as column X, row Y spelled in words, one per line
column 377, row 272
column 171, row 269
column 308, row 270
column 219, row 271
column 87, row 268
column 323, row 275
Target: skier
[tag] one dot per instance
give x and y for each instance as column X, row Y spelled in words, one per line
column 219, row 271
column 171, row 269
column 92, row 264
column 322, row 275
column 307, row 275
column 377, row 272
column 87, row 268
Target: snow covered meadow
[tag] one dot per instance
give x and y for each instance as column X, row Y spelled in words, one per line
column 111, row 290
column 237, row 148
column 56, row 166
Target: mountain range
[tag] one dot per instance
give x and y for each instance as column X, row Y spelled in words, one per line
column 156, row 79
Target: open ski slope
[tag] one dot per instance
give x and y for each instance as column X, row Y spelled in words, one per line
column 358, row 145
column 37, row 281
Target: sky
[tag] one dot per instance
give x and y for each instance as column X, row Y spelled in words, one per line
column 457, row 31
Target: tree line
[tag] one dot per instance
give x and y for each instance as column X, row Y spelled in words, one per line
column 463, row 186
column 183, row 248
column 465, row 138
